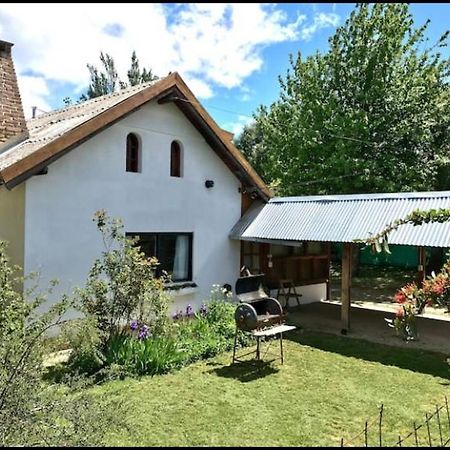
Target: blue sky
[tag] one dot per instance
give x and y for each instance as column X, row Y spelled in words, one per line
column 230, row 54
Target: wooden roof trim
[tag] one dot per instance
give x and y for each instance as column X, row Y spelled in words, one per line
column 235, row 153
column 26, row 167
column 189, row 107
column 84, row 130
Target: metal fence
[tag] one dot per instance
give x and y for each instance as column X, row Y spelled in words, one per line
column 434, row 431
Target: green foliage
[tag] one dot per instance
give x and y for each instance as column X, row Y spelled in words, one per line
column 122, row 285
column 136, row 76
column 106, row 80
column 191, row 338
column 84, row 339
column 209, row 334
column 129, row 351
column 379, row 241
column 126, row 329
column 370, row 115
column 251, row 143
column 152, row 356
column 32, row 412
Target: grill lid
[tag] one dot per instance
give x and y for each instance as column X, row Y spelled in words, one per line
column 250, row 288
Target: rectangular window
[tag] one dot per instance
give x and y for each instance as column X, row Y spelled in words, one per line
column 173, row 250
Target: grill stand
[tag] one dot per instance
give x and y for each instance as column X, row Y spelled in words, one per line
column 258, row 334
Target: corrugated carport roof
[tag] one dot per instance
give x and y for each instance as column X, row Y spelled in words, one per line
column 344, row 218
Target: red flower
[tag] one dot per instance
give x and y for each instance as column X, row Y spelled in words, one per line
column 437, row 289
column 400, row 312
column 400, row 297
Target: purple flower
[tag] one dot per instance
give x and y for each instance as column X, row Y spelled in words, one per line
column 143, row 332
column 177, row 315
column 203, row 309
column 189, row 311
column 134, row 325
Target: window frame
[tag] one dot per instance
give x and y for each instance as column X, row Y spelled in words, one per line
column 150, row 234
column 176, row 165
column 133, row 161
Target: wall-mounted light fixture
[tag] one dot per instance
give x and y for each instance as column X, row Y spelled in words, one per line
column 209, row 183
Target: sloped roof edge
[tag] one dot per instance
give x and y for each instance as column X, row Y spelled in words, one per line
column 25, row 167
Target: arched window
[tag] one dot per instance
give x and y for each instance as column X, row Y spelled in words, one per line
column 133, row 153
column 175, row 159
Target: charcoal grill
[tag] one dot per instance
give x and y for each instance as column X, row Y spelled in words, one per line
column 258, row 314
column 257, row 310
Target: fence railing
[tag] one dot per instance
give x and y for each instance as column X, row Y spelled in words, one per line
column 434, row 431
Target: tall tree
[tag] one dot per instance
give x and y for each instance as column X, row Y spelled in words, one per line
column 102, row 81
column 136, row 76
column 106, row 80
column 370, row 115
column 251, row 143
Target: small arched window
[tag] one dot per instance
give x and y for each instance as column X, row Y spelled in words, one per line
column 133, row 153
column 175, row 159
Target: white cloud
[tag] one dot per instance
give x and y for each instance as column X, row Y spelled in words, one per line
column 321, row 20
column 237, row 127
column 224, row 42
column 210, row 45
column 33, row 90
column 200, row 88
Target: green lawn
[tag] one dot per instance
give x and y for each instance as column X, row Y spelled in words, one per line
column 327, row 388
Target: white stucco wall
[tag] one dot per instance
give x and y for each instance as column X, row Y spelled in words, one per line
column 61, row 240
column 311, row 293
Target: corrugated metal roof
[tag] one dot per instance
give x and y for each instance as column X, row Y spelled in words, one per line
column 344, row 218
column 48, row 127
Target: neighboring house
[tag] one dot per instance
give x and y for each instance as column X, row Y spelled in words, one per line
column 150, row 155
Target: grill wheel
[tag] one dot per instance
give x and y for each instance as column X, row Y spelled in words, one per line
column 246, row 317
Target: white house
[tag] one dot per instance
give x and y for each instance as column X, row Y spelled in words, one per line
column 150, row 155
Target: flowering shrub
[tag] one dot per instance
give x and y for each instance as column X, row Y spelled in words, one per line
column 404, row 322
column 435, row 291
column 122, row 284
column 139, row 348
column 137, row 352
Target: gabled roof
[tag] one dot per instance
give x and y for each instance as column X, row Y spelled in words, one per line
column 53, row 134
column 344, row 218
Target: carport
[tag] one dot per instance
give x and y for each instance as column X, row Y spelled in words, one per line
column 294, row 221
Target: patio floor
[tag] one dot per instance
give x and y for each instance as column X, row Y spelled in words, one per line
column 375, row 289
column 369, row 324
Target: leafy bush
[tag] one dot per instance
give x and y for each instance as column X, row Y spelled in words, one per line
column 33, row 412
column 149, row 356
column 137, row 350
column 434, row 291
column 121, row 284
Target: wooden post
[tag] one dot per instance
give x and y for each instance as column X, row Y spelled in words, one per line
column 421, row 266
column 329, row 271
column 345, row 287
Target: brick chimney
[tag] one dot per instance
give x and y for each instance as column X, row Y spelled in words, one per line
column 13, row 127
